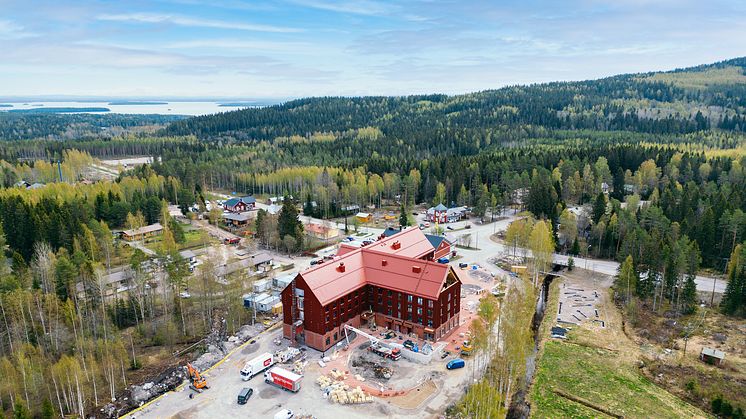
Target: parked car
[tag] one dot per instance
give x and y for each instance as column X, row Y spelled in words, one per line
column 449, row 227
column 388, row 335
column 455, row 364
column 445, row 354
column 443, row 260
column 284, row 414
column 463, row 265
column 408, row 344
column 245, row 395
column 427, row 225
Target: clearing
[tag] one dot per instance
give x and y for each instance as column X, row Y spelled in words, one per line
column 595, row 372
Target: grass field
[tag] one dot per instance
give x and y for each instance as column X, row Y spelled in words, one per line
column 594, row 373
column 597, row 377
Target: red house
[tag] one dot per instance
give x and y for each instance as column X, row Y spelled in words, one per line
column 246, row 203
column 392, row 281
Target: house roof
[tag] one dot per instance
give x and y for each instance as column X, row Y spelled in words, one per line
column 435, row 241
column 392, row 263
column 143, row 230
column 390, row 231
column 713, row 353
column 273, row 209
column 260, row 258
column 320, row 229
column 362, row 215
column 236, row 216
column 234, row 201
column 440, row 207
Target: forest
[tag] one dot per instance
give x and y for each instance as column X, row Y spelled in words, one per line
column 659, row 160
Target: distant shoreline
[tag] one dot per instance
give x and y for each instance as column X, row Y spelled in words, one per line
column 60, row 110
column 141, row 103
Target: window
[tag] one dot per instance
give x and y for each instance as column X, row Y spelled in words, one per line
column 327, row 341
column 419, row 300
column 398, row 306
column 380, row 291
column 409, row 298
column 380, row 300
column 390, row 293
column 409, row 316
column 389, row 311
column 409, row 308
column 430, row 323
column 419, row 310
column 429, row 313
column 335, row 336
column 449, row 297
column 430, row 303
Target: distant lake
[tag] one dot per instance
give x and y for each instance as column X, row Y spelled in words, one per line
column 134, row 107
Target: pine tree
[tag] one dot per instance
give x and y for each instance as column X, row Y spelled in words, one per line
column 575, row 250
column 734, row 298
column 288, row 223
column 20, row 411
column 403, row 218
column 599, row 207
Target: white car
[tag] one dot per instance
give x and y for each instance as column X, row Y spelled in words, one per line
column 284, row 414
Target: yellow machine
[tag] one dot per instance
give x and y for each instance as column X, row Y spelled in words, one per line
column 466, row 348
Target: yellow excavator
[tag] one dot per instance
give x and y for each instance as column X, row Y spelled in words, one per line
column 198, row 381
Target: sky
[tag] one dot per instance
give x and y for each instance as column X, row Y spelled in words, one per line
column 297, row 48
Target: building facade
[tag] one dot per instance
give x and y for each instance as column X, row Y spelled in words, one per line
column 392, row 282
column 246, row 203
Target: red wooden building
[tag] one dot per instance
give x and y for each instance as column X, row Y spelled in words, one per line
column 392, row 281
column 246, row 203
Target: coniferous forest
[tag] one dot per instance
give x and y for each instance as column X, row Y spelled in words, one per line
column 659, row 158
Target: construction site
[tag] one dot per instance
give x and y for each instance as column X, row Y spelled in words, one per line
column 371, row 372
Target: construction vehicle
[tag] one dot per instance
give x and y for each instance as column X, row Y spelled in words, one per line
column 198, row 382
column 466, row 348
column 376, row 346
column 283, row 379
column 380, row 350
column 257, row 365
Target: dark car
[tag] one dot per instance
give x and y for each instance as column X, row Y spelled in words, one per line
column 245, row 395
column 444, row 355
column 408, row 344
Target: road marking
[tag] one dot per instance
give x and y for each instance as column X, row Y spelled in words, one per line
column 181, row 386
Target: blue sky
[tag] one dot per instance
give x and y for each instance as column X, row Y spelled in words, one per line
column 294, row 48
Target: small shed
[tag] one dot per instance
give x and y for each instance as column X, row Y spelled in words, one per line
column 712, row 356
column 364, row 217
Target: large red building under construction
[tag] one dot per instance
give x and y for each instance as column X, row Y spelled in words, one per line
column 393, row 281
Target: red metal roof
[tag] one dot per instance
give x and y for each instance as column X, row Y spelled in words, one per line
column 382, row 264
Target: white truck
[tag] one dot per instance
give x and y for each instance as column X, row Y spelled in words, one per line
column 257, row 365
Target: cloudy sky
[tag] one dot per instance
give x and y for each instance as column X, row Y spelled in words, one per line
column 293, row 48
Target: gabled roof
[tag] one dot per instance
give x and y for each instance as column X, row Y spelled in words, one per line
column 392, row 263
column 144, row 230
column 435, row 241
column 440, row 207
column 234, row 201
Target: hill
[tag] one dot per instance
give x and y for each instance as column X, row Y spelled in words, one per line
column 673, row 102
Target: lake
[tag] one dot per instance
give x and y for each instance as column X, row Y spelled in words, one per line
column 135, row 107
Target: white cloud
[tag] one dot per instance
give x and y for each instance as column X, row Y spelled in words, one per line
column 12, row 30
column 363, row 7
column 194, row 22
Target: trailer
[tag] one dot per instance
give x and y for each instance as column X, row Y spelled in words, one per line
column 283, row 379
column 257, row 365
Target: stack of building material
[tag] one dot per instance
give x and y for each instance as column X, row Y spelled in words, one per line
column 338, row 375
column 345, row 395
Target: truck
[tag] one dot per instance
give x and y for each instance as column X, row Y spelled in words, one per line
column 283, row 379
column 257, row 365
column 380, row 350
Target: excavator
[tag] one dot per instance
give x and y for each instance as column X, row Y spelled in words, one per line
column 198, row 381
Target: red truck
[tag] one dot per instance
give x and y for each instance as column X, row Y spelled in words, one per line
column 282, row 378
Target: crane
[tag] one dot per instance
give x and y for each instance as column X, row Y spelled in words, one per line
column 198, row 381
column 373, row 340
